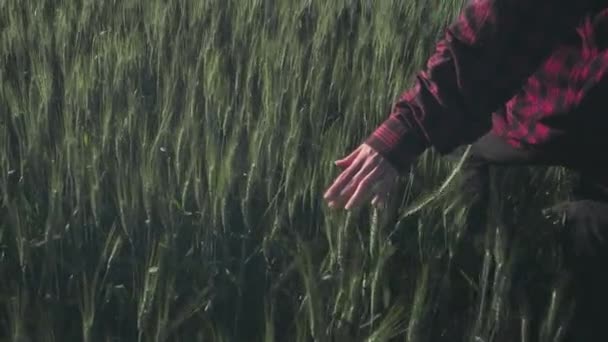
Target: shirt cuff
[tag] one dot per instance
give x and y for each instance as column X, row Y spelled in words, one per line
column 398, row 142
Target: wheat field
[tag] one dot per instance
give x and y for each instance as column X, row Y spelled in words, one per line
column 162, row 166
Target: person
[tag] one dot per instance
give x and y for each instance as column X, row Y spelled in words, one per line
column 524, row 82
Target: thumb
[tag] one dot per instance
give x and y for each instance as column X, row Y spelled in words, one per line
column 556, row 214
column 348, row 159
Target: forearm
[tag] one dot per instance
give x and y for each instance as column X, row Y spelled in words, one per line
column 483, row 59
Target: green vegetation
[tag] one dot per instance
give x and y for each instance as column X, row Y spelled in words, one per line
column 162, row 166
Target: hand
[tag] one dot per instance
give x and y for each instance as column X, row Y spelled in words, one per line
column 366, row 174
column 586, row 224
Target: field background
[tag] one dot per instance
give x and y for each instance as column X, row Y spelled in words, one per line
column 162, row 166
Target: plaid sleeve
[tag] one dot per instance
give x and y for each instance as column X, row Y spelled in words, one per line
column 481, row 61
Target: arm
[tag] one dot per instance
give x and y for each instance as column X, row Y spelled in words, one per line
column 484, row 57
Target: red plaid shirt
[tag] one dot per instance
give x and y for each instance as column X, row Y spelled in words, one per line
column 525, row 69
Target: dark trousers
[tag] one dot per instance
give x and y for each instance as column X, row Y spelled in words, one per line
column 589, row 270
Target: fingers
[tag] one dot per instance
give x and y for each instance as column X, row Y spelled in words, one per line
column 364, row 169
column 377, row 185
column 342, row 181
column 346, row 161
column 351, row 187
column 381, row 198
column 556, row 214
column 354, row 183
column 363, row 190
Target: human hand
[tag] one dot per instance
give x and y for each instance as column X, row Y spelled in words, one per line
column 586, row 224
column 366, row 175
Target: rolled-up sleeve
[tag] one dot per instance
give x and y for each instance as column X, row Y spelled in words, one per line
column 481, row 61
